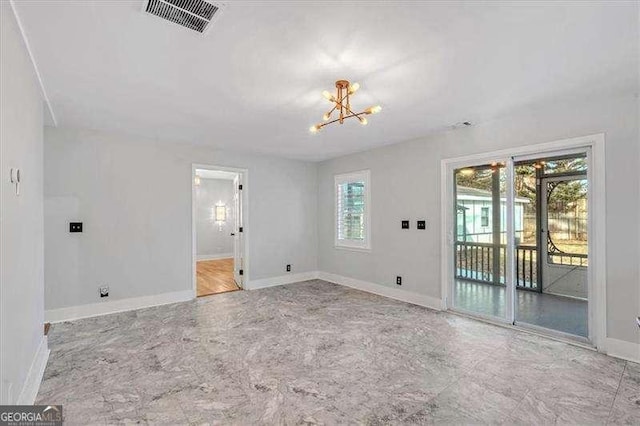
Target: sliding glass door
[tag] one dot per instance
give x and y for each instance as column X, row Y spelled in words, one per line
column 520, row 243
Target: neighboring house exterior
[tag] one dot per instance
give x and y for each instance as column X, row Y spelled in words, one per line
column 475, row 212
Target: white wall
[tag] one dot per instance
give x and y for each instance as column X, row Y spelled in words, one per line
column 405, row 183
column 134, row 197
column 21, row 229
column 214, row 240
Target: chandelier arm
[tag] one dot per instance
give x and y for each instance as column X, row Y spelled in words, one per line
column 321, row 125
column 341, row 97
column 348, row 107
column 353, row 114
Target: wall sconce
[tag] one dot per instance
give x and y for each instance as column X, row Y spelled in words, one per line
column 196, row 180
column 220, row 213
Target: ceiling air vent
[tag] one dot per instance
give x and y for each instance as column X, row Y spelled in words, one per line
column 193, row 14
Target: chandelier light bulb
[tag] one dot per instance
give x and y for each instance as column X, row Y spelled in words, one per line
column 353, row 88
column 376, row 109
column 326, row 116
column 363, row 121
column 327, row 95
column 314, row 128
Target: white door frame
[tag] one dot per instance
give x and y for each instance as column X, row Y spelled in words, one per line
column 597, row 275
column 244, row 173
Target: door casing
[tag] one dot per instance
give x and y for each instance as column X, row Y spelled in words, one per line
column 243, row 222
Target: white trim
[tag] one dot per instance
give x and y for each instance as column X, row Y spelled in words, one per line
column 361, row 175
column 446, row 234
column 200, row 257
column 33, row 62
column 114, row 306
column 624, row 350
column 244, row 180
column 34, row 377
column 597, row 249
column 281, row 280
column 510, row 273
column 380, row 290
column 534, row 150
column 597, row 229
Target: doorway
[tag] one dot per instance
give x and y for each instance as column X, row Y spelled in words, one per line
column 218, row 229
column 518, row 242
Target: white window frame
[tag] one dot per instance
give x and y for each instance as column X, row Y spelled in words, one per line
column 358, row 176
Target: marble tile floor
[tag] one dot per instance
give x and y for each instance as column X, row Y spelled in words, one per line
column 315, row 352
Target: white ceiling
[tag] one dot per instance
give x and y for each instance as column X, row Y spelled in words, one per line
column 215, row 174
column 253, row 83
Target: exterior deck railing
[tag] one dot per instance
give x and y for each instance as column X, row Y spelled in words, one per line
column 474, row 262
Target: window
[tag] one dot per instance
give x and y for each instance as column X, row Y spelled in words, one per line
column 352, row 210
column 484, row 216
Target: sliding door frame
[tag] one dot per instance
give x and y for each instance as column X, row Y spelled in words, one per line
column 594, row 146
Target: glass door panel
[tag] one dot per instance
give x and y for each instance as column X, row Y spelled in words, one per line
column 480, row 264
column 551, row 244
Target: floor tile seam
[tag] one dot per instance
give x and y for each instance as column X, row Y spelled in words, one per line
column 613, row 402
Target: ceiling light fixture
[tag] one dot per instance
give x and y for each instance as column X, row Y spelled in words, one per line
column 342, row 105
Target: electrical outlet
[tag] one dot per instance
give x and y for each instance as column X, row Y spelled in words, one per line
column 288, row 268
column 422, row 224
column 405, row 224
column 399, row 280
column 104, row 291
column 75, row 226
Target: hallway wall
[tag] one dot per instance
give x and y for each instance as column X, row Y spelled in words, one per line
column 214, row 240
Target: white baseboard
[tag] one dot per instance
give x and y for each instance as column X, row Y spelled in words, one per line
column 281, row 280
column 214, row 256
column 622, row 349
column 34, row 377
column 390, row 292
column 114, row 306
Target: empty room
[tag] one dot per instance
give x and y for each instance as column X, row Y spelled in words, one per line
column 299, row 212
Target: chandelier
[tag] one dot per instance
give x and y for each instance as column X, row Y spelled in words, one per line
column 341, row 102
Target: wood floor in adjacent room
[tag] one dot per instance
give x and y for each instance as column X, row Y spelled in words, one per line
column 215, row 276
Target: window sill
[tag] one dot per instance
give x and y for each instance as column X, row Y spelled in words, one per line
column 349, row 248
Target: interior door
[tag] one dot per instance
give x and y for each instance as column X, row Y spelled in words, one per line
column 238, row 232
